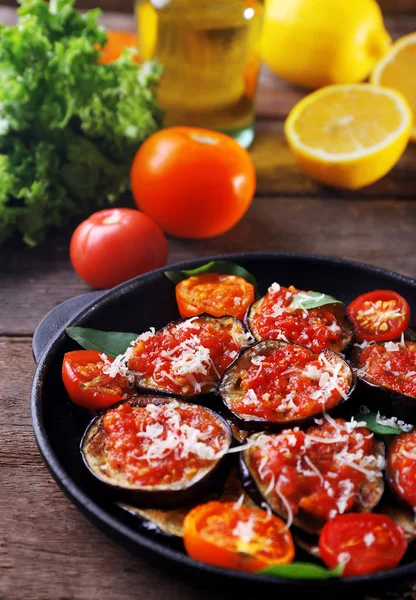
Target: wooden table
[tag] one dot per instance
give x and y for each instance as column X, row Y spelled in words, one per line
column 47, row 549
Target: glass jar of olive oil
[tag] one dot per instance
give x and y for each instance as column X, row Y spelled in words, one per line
column 210, row 51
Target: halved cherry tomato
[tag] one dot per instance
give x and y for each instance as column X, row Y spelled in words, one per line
column 238, row 538
column 215, row 294
column 86, row 383
column 365, row 543
column 401, row 466
column 380, row 315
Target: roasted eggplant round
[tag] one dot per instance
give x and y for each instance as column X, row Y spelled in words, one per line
column 311, row 476
column 276, row 384
column 187, row 357
column 156, row 452
column 386, row 374
column 281, row 315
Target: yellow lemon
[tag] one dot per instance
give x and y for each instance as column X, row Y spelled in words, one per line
column 318, row 42
column 397, row 70
column 349, row 136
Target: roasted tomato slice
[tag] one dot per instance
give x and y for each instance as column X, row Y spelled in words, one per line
column 380, row 315
column 215, row 294
column 240, row 538
column 401, row 467
column 87, row 384
column 365, row 543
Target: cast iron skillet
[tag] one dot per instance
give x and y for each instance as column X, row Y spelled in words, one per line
column 147, row 301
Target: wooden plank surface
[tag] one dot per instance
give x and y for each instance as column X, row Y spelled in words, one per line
column 47, row 549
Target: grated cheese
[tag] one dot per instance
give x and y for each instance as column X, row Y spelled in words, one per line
column 369, row 539
column 245, row 529
column 393, row 422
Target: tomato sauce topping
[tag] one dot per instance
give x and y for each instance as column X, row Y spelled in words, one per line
column 389, row 364
column 292, row 383
column 317, row 328
column 401, row 466
column 163, row 445
column 188, row 358
column 319, row 470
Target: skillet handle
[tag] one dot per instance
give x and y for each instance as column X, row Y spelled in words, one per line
column 57, row 319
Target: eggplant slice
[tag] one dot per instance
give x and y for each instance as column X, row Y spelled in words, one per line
column 278, row 408
column 156, row 451
column 368, row 496
column 170, row 522
column 380, row 398
column 184, row 367
column 259, row 307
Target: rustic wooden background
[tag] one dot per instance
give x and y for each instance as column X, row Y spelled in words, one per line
column 48, row 551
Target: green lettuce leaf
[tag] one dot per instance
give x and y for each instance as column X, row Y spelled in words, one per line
column 69, row 125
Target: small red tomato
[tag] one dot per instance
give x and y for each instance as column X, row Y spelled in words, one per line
column 214, row 294
column 378, row 316
column 195, row 183
column 365, row 543
column 116, row 244
column 86, row 383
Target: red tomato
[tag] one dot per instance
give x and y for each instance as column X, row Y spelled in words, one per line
column 117, row 41
column 116, row 244
column 244, row 539
column 214, row 294
column 87, row 385
column 380, row 315
column 194, row 183
column 365, row 542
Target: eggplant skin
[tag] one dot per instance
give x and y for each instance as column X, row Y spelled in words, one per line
column 347, row 328
column 229, row 382
column 147, row 385
column 369, row 496
column 92, row 444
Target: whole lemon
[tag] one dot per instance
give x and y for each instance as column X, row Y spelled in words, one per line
column 313, row 43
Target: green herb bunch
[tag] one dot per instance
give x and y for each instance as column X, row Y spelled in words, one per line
column 69, row 125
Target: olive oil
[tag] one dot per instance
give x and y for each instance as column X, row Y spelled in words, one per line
column 210, row 51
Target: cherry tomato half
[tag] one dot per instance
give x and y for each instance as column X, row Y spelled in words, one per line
column 242, row 538
column 214, row 294
column 195, row 183
column 87, row 385
column 365, row 542
column 117, row 41
column 116, row 244
column 380, row 315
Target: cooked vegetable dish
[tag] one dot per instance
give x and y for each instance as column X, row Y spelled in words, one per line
column 243, row 442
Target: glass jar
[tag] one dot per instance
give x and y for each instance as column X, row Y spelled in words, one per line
column 210, row 51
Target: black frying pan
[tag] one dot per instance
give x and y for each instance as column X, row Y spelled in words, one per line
column 147, row 301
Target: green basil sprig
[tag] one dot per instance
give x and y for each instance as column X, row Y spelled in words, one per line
column 111, row 343
column 217, row 266
column 370, row 420
column 308, row 300
column 301, row 570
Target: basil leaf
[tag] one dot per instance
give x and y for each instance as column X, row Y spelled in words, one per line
column 217, row 266
column 371, row 423
column 110, row 342
column 308, row 300
column 301, row 570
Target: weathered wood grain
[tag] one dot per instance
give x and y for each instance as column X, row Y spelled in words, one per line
column 48, row 550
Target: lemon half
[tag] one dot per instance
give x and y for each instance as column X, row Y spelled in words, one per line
column 349, row 136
